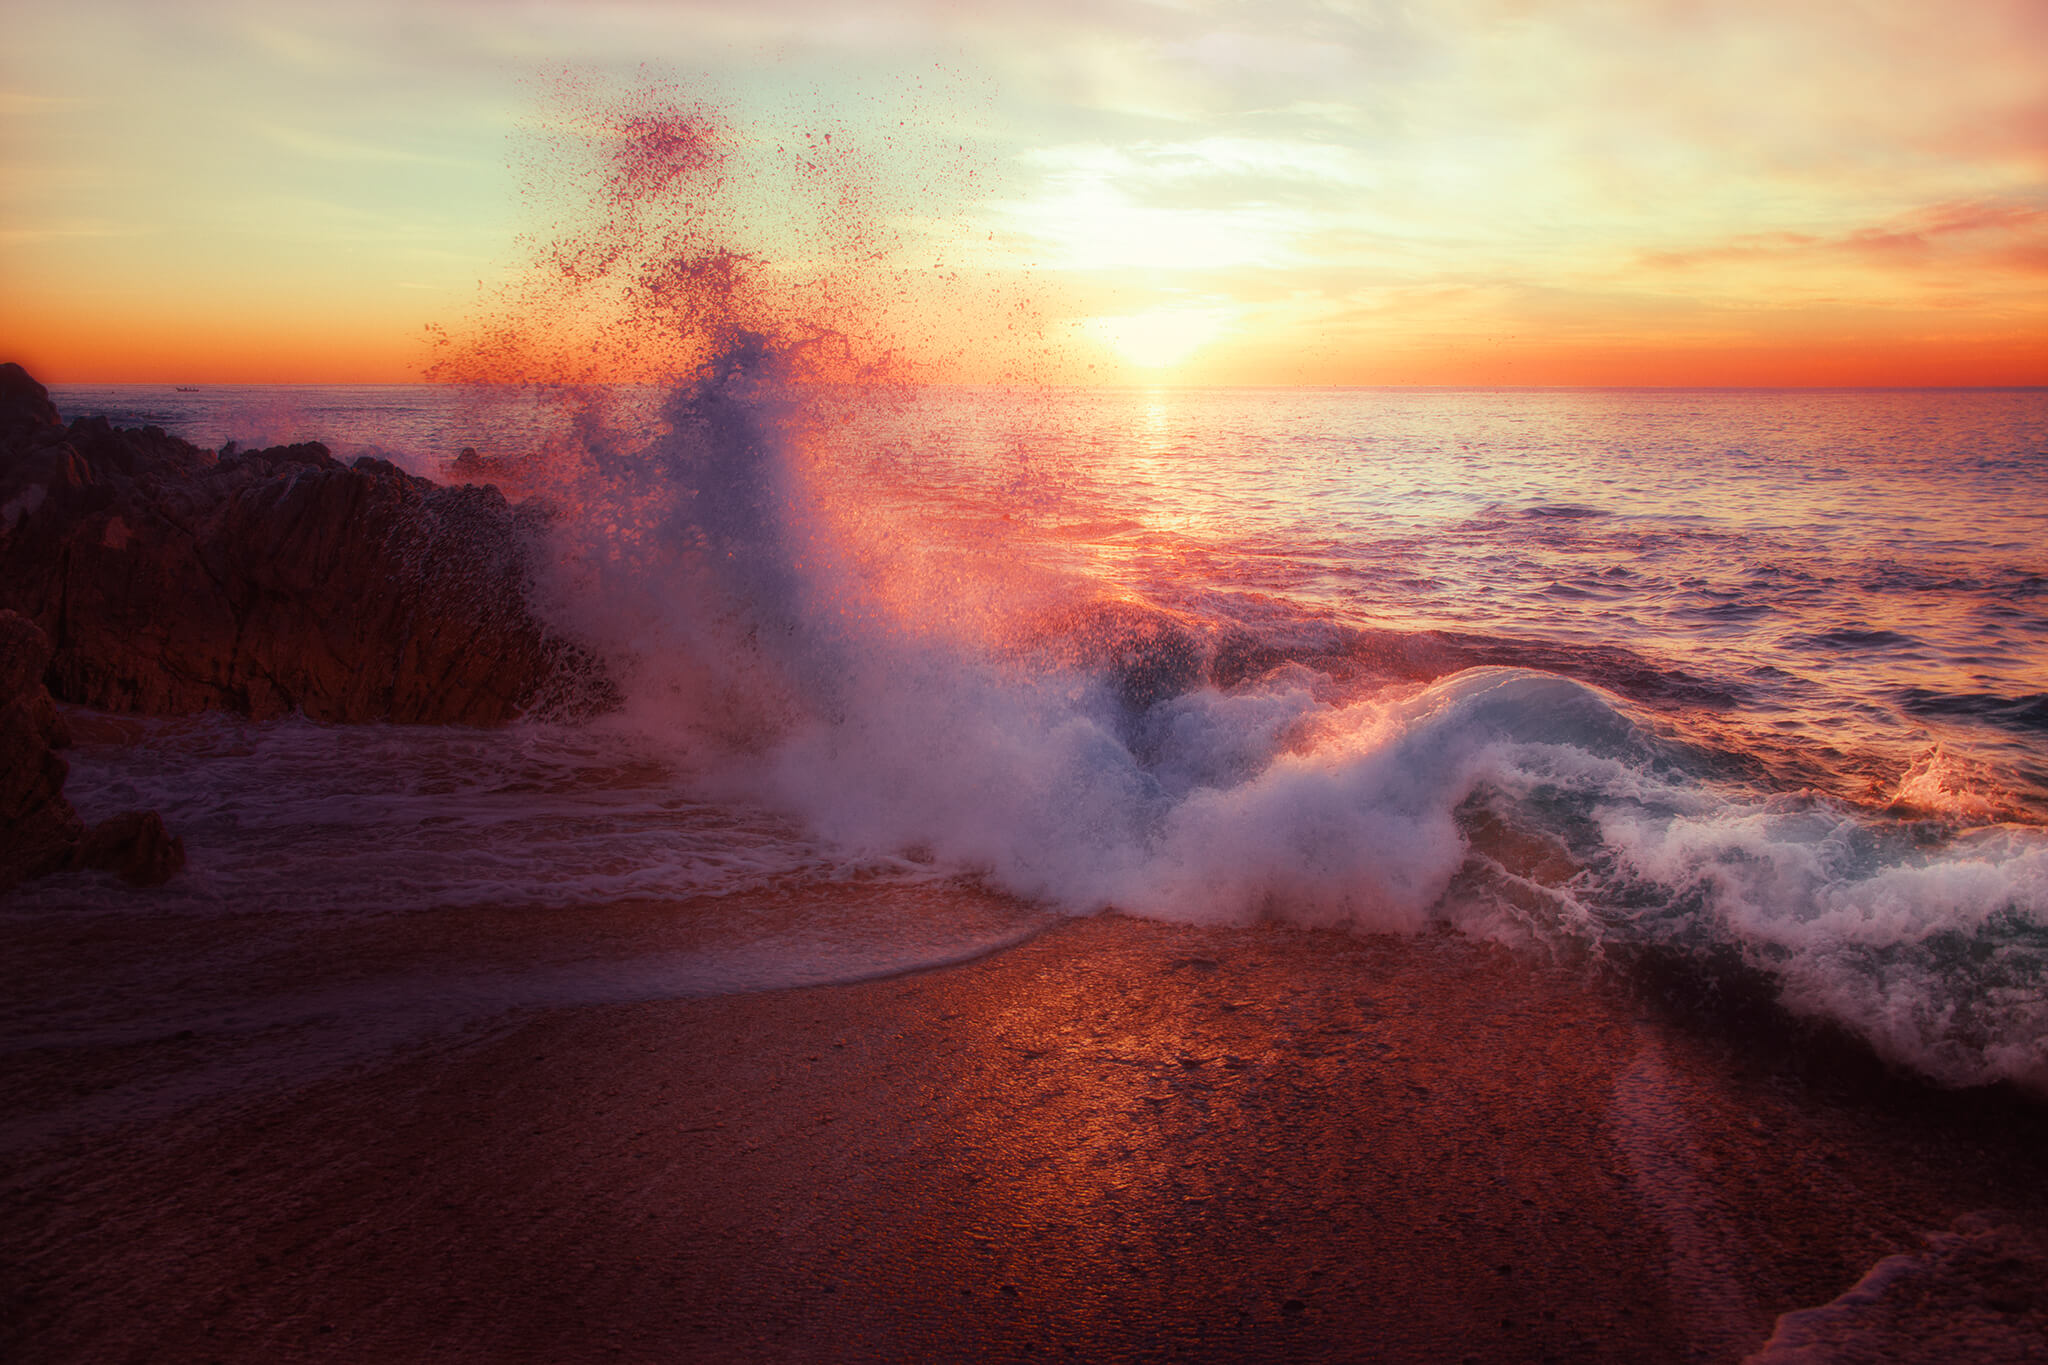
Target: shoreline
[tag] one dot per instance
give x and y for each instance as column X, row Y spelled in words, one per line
column 1118, row 1139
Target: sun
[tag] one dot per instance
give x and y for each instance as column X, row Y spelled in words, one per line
column 1160, row 338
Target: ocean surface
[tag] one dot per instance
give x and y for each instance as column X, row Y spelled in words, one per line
column 1742, row 681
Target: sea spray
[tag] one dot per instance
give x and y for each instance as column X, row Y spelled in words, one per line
column 1347, row 804
column 1241, row 754
column 1212, row 671
column 801, row 631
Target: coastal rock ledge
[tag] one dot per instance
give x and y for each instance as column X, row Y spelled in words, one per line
column 39, row 830
column 171, row 579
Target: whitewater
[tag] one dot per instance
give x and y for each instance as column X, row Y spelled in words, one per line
column 1743, row 685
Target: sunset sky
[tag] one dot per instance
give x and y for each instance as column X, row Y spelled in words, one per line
column 1469, row 192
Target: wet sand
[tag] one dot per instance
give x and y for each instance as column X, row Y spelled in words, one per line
column 248, row 1139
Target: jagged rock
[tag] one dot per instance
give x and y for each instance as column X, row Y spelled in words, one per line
column 135, row 845
column 24, row 404
column 39, row 831
column 1978, row 1293
column 38, row 828
column 171, row 581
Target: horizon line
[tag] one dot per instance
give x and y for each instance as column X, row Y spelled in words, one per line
column 1037, row 386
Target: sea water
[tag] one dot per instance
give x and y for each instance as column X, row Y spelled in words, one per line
column 1731, row 676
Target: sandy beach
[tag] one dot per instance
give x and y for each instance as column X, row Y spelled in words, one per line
column 1137, row 682
column 260, row 1140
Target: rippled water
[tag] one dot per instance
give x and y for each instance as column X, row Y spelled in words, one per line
column 1864, row 571
column 1861, row 570
column 1750, row 673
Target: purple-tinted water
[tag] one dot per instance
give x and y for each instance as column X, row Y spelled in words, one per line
column 1763, row 672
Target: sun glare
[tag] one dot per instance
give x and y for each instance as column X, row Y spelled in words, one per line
column 1161, row 338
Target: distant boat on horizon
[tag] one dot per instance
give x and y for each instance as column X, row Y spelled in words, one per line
column 188, row 388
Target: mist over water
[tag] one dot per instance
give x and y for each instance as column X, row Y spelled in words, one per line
column 1746, row 677
column 1295, row 656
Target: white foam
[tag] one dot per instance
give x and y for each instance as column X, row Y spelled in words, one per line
column 821, row 686
column 812, row 659
column 1933, row 954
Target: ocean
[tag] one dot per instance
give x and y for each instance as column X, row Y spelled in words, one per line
column 1747, row 685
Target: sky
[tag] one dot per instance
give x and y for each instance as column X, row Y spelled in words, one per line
column 1482, row 192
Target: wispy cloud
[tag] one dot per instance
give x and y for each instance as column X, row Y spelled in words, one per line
column 330, row 147
column 71, row 230
column 1482, row 168
column 1985, row 234
column 16, row 103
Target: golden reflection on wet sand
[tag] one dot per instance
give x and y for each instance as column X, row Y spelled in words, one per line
column 1119, row 1140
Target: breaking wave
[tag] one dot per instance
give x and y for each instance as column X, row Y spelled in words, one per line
column 953, row 693
column 859, row 632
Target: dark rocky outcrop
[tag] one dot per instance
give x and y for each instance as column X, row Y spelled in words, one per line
column 137, row 846
column 171, row 580
column 39, row 831
column 24, row 404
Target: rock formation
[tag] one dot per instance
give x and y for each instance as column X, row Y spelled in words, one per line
column 172, row 580
column 136, row 845
column 39, row 830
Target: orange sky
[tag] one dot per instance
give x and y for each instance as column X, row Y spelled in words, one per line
column 1471, row 192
